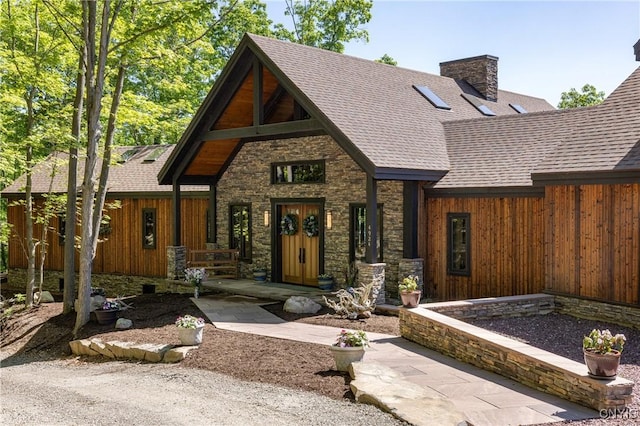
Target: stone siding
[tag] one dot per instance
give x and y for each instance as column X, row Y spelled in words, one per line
column 248, row 180
column 526, row 364
column 492, row 307
column 589, row 309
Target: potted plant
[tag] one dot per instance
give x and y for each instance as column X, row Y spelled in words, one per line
column 195, row 276
column 602, row 352
column 349, row 347
column 325, row 281
column 108, row 312
column 260, row 273
column 190, row 329
column 409, row 292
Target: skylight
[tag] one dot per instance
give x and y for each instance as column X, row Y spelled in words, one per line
column 479, row 105
column 153, row 156
column 435, row 100
column 518, row 108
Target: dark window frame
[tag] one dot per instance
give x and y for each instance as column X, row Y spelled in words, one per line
column 62, row 228
column 246, row 253
column 274, row 173
column 152, row 214
column 453, row 250
column 352, row 230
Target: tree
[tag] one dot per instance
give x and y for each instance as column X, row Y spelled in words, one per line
column 386, row 59
column 327, row 24
column 589, row 97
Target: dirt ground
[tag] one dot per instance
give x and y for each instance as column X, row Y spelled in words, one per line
column 43, row 333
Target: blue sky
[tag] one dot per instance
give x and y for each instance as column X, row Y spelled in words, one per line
column 545, row 47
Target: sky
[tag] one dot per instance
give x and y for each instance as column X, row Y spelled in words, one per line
column 544, row 47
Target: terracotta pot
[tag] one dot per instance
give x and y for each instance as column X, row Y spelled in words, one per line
column 106, row 316
column 190, row 336
column 602, row 366
column 410, row 299
column 345, row 356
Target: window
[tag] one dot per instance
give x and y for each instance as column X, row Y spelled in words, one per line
column 435, row 100
column 478, row 105
column 458, row 247
column 358, row 232
column 149, row 228
column 518, row 108
column 62, row 228
column 240, row 229
column 308, row 172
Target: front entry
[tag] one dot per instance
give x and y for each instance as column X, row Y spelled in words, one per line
column 300, row 247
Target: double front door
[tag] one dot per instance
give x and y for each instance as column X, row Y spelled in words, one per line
column 300, row 248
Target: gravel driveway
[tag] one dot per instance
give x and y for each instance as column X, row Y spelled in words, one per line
column 70, row 392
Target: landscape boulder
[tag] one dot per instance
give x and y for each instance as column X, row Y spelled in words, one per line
column 123, row 324
column 301, row 305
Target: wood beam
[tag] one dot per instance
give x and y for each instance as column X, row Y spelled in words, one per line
column 175, row 206
column 213, row 214
column 410, row 219
column 371, row 255
column 265, row 130
column 258, row 85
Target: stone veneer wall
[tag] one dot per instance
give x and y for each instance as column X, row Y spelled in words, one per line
column 248, row 180
column 496, row 307
column 589, row 309
column 526, row 364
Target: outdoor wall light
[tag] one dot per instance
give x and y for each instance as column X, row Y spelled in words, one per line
column 329, row 219
column 267, row 218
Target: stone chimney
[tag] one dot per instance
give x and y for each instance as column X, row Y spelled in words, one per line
column 480, row 71
column 636, row 50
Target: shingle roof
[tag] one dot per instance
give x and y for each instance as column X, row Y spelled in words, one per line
column 135, row 175
column 608, row 141
column 509, row 151
column 375, row 106
column 503, row 152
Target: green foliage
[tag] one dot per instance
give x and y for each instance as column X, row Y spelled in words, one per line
column 327, row 24
column 573, row 99
column 386, row 59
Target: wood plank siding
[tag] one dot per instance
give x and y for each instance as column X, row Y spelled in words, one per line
column 122, row 250
column 506, row 241
column 593, row 241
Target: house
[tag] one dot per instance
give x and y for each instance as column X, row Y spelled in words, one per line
column 317, row 159
column 135, row 235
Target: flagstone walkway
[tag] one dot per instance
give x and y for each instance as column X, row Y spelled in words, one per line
column 415, row 383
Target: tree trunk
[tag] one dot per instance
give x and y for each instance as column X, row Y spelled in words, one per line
column 72, row 193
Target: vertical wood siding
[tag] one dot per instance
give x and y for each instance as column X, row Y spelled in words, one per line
column 122, row 252
column 506, row 241
column 593, row 241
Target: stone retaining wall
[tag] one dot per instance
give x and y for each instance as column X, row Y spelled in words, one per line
column 523, row 363
column 496, row 307
column 627, row 316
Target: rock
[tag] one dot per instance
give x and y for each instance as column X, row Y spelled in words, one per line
column 378, row 385
column 82, row 347
column 177, row 354
column 123, row 323
column 301, row 305
column 99, row 346
column 45, row 297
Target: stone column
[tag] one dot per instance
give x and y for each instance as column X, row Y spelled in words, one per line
column 408, row 267
column 368, row 272
column 176, row 262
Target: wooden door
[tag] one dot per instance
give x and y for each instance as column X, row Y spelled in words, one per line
column 300, row 252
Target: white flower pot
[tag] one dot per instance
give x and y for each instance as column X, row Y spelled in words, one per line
column 190, row 336
column 345, row 356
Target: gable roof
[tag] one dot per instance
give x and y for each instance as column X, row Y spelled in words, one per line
column 136, row 175
column 609, row 141
column 370, row 109
column 596, row 142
